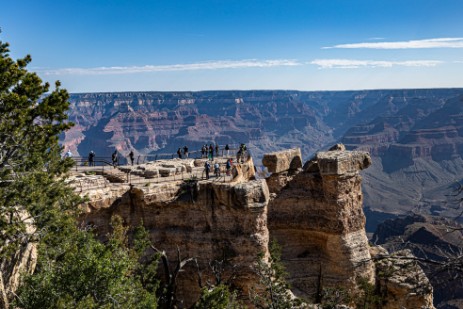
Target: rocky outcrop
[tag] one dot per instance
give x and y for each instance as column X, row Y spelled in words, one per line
column 317, row 218
column 288, row 160
column 435, row 241
column 415, row 136
column 401, row 281
column 314, row 212
column 207, row 220
column 20, row 262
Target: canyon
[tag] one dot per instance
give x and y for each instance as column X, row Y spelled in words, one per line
column 414, row 136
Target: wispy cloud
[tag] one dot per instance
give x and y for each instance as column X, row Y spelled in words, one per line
column 209, row 65
column 355, row 64
column 413, row 44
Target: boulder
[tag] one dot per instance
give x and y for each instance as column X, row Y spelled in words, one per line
column 166, row 172
column 342, row 162
column 403, row 281
column 277, row 162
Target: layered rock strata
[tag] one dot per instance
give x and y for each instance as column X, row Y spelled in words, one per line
column 318, row 221
column 314, row 212
column 208, row 220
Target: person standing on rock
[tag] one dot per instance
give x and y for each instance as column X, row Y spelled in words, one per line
column 207, row 168
column 179, row 153
column 217, row 150
column 185, row 151
column 114, row 158
column 227, row 149
column 211, row 152
column 229, row 165
column 238, row 155
column 91, row 158
column 217, row 169
column 131, row 156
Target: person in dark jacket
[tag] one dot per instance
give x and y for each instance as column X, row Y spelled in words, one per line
column 229, row 165
column 114, row 158
column 185, row 151
column 211, row 152
column 207, row 168
column 91, row 158
column 131, row 156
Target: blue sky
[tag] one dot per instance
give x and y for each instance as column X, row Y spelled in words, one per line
column 164, row 45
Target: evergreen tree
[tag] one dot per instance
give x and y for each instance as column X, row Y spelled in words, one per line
column 30, row 123
column 89, row 274
column 74, row 270
column 274, row 291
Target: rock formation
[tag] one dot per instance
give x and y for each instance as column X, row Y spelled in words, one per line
column 208, row 220
column 23, row 260
column 437, row 242
column 314, row 212
column 401, row 281
column 318, row 220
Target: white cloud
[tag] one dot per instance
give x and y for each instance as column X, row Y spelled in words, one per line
column 209, row 65
column 413, row 44
column 355, row 64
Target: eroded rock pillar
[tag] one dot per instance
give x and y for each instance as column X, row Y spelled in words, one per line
column 317, row 219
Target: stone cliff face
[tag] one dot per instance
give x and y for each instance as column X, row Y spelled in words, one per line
column 210, row 221
column 159, row 122
column 318, row 220
column 400, row 280
column 417, row 153
column 313, row 211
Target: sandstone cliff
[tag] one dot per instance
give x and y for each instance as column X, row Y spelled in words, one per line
column 317, row 218
column 314, row 212
column 208, row 220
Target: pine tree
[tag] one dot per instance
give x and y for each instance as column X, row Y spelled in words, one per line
column 74, row 270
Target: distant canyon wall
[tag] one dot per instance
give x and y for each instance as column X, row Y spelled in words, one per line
column 414, row 136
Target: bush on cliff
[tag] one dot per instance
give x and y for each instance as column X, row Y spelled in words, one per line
column 85, row 273
column 274, row 291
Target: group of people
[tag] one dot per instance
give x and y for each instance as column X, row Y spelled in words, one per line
column 242, row 153
column 206, row 152
column 207, row 168
column 114, row 157
column 211, row 150
column 182, row 153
